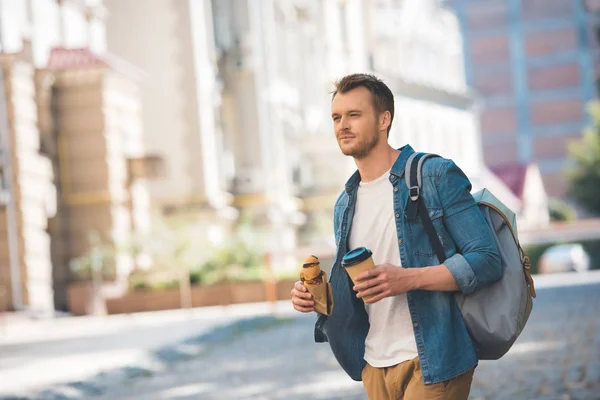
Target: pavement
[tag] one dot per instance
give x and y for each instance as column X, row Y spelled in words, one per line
column 38, row 354
column 556, row 357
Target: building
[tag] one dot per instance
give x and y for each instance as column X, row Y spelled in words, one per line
column 526, row 184
column 231, row 97
column 418, row 47
column 73, row 133
column 241, row 90
column 248, row 119
column 533, row 65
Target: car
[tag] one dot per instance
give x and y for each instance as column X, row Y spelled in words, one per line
column 564, row 258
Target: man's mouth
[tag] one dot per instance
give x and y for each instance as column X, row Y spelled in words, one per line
column 345, row 137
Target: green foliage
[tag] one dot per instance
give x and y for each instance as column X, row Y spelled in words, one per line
column 592, row 247
column 535, row 253
column 561, row 211
column 585, row 175
column 177, row 245
column 99, row 255
column 240, row 259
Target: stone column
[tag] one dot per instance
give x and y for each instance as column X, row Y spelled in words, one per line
column 32, row 189
column 91, row 138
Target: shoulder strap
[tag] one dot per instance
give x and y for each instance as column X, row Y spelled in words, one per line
column 413, row 178
column 413, row 173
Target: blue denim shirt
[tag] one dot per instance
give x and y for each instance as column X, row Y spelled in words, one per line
column 443, row 343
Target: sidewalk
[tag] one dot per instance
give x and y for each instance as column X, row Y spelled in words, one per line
column 556, row 357
column 95, row 353
column 18, row 328
column 36, row 354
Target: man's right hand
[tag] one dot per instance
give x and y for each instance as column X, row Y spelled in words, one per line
column 302, row 299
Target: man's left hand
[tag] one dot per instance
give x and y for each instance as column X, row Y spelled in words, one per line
column 384, row 281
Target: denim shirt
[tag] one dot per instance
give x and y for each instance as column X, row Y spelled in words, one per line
column 443, row 344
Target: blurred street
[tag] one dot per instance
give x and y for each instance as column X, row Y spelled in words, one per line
column 166, row 167
column 38, row 354
column 557, row 356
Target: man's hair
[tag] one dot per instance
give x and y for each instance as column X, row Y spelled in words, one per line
column 383, row 98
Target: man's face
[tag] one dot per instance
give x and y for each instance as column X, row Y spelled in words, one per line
column 355, row 122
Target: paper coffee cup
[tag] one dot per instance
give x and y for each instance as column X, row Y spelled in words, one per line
column 358, row 261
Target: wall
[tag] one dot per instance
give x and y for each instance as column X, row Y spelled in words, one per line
column 533, row 63
column 32, row 192
column 161, row 45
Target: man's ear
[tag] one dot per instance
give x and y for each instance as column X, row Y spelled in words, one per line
column 385, row 119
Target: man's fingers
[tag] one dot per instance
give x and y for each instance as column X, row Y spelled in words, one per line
column 303, row 295
column 371, row 291
column 303, row 309
column 297, row 301
column 366, row 285
column 368, row 275
column 300, row 287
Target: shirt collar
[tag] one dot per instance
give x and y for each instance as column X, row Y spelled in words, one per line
column 397, row 168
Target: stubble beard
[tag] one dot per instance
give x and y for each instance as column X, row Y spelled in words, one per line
column 364, row 148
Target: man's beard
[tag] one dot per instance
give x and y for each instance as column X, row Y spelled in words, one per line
column 363, row 149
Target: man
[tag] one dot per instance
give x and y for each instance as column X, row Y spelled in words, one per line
column 409, row 340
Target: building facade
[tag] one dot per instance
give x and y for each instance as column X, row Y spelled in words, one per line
column 232, row 97
column 72, row 129
column 237, row 101
column 251, row 81
column 533, row 65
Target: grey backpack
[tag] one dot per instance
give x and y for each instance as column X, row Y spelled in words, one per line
column 496, row 314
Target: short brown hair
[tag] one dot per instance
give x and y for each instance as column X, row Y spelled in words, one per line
column 383, row 98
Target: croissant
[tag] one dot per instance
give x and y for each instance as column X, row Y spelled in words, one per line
column 315, row 281
column 311, row 271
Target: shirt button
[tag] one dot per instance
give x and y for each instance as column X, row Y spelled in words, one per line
column 420, row 349
column 397, row 215
column 400, row 241
column 395, row 189
column 416, row 324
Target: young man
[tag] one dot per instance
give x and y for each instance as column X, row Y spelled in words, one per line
column 409, row 340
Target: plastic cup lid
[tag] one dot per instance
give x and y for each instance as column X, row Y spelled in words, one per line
column 356, row 256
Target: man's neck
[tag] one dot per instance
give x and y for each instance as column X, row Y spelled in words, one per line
column 376, row 163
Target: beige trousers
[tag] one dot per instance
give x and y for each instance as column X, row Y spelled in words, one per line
column 405, row 382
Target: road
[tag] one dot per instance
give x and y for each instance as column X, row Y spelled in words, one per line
column 37, row 354
column 556, row 357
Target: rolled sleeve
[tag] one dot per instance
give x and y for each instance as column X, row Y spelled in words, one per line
column 477, row 262
column 462, row 272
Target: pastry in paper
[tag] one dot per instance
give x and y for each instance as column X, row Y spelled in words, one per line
column 315, row 281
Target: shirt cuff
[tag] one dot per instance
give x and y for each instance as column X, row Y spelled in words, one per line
column 462, row 272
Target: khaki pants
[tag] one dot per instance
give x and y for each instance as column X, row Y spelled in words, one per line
column 405, row 382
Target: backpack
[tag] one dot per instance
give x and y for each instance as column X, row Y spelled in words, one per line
column 494, row 315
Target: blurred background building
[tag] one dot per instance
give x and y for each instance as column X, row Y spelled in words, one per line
column 73, row 131
column 216, row 110
column 532, row 63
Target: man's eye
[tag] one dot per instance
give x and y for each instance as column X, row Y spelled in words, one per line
column 354, row 115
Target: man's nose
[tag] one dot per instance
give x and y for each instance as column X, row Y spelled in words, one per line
column 344, row 124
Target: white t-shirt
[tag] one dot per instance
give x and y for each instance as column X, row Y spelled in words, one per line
column 391, row 339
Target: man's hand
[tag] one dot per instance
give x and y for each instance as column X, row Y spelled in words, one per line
column 384, row 281
column 302, row 299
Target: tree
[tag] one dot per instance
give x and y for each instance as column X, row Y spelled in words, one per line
column 585, row 175
column 95, row 265
column 561, row 211
column 175, row 246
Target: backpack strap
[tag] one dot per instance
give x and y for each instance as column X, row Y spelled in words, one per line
column 416, row 205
